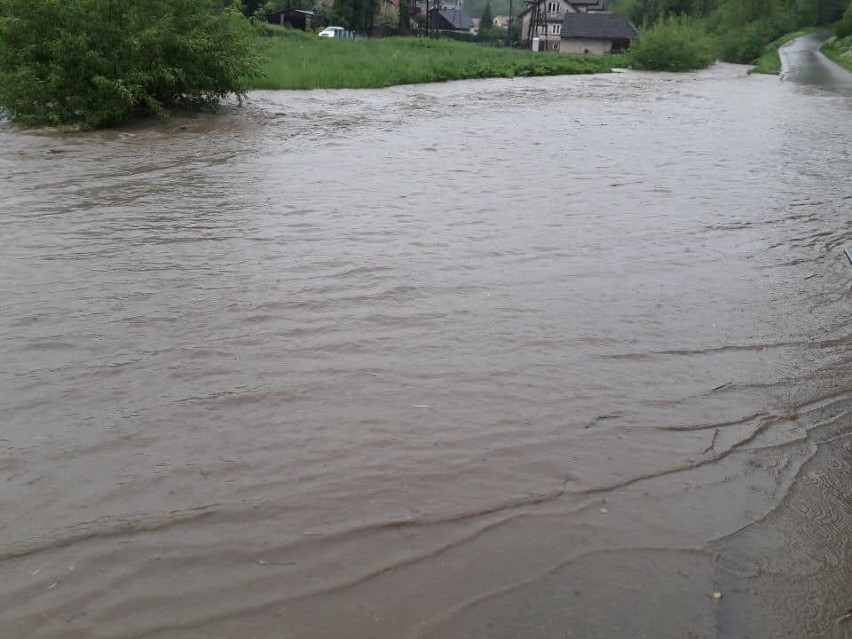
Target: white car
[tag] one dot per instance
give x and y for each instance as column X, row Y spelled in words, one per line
column 332, row 32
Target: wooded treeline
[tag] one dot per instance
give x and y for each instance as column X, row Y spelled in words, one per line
column 811, row 12
column 741, row 28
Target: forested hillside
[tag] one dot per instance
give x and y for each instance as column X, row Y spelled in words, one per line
column 810, row 11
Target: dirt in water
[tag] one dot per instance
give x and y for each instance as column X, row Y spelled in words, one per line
column 549, row 357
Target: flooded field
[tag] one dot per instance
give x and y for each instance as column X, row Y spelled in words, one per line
column 535, row 358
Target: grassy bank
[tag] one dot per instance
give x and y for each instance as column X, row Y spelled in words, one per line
column 769, row 61
column 297, row 60
column 840, row 51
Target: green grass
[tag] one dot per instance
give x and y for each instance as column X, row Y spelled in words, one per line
column 840, row 51
column 769, row 61
column 298, row 60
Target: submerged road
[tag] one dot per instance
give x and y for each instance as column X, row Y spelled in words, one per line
column 803, row 62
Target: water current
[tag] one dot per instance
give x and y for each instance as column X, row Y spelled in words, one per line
column 546, row 357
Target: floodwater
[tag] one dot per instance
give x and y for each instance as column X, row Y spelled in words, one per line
column 536, row 358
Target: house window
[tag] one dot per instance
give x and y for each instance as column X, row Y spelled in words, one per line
column 555, row 29
column 553, row 7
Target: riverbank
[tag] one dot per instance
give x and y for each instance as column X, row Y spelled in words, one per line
column 770, row 61
column 839, row 50
column 297, row 60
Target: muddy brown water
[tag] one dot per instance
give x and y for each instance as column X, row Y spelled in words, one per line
column 552, row 357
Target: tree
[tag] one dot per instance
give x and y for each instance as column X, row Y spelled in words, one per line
column 487, row 20
column 844, row 27
column 357, row 15
column 251, row 8
column 404, row 16
column 830, row 10
column 387, row 16
column 104, row 62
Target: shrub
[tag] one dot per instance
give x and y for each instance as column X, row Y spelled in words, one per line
column 104, row 62
column 673, row 44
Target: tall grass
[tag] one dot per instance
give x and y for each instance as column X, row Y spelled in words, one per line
column 840, row 51
column 297, row 60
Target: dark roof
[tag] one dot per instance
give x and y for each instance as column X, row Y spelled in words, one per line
column 598, row 26
column 456, row 17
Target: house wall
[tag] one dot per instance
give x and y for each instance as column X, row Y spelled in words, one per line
column 581, row 46
column 552, row 18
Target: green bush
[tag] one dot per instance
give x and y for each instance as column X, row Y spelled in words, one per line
column 673, row 44
column 746, row 27
column 104, row 62
column 746, row 44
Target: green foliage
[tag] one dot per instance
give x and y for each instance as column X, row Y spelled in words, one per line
column 652, row 11
column 742, row 28
column 746, row 27
column 829, row 11
column 489, row 37
column 387, row 17
column 104, row 62
column 840, row 50
column 492, row 34
column 404, row 16
column 844, row 27
column 266, row 7
column 459, row 36
column 802, row 11
column 303, row 61
column 498, row 7
column 747, row 44
column 676, row 43
column 252, row 7
column 487, row 19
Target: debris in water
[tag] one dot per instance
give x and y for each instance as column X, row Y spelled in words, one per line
column 603, row 511
column 721, row 387
column 712, row 442
column 717, row 595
